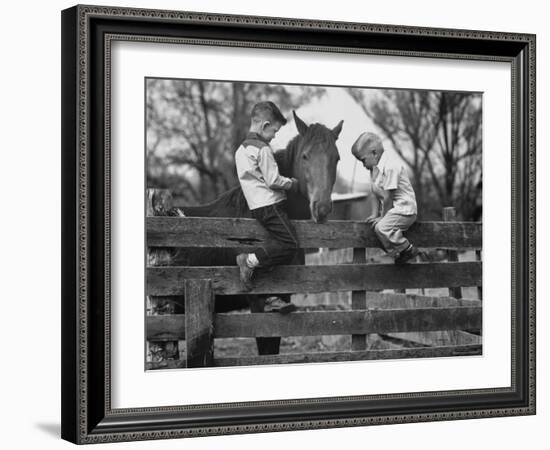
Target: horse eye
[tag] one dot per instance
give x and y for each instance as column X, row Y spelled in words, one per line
column 304, row 156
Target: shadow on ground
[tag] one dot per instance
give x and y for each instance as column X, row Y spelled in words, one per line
column 53, row 429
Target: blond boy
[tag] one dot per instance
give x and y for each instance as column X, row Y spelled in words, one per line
column 391, row 185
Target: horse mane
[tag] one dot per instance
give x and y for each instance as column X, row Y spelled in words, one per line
column 285, row 157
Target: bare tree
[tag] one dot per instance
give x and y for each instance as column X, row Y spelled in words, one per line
column 194, row 128
column 438, row 136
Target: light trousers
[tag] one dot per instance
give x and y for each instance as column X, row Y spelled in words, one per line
column 390, row 231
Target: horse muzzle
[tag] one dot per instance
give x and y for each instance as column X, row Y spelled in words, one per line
column 320, row 211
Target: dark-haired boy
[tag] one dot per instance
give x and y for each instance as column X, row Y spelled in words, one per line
column 264, row 189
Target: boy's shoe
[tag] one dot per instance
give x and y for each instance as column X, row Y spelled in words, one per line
column 275, row 304
column 245, row 272
column 406, row 255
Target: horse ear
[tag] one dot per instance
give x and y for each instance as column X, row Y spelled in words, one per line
column 337, row 129
column 300, row 124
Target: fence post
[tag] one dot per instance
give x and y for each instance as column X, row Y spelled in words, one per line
column 359, row 301
column 479, row 288
column 449, row 215
column 199, row 322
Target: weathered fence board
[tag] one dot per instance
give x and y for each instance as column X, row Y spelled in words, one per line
column 324, row 323
column 382, row 300
column 438, row 338
column 304, row 279
column 423, row 352
column 247, row 233
column 300, row 358
column 199, row 322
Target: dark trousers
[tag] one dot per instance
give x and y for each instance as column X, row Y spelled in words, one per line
column 282, row 244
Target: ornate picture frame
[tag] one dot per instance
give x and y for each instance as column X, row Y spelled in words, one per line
column 88, row 415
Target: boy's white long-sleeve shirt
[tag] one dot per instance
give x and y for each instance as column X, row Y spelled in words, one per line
column 258, row 173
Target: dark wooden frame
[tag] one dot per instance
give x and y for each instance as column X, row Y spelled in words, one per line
column 87, row 32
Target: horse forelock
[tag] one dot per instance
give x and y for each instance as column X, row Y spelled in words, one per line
column 318, row 136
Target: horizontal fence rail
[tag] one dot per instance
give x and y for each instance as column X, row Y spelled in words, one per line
column 322, row 323
column 310, row 279
column 379, row 300
column 247, row 233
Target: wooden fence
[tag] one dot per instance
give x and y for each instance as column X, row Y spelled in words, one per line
column 372, row 313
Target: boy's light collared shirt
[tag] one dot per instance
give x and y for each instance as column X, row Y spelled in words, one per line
column 258, row 173
column 391, row 175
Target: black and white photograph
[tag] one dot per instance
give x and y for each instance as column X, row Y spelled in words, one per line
column 291, row 223
column 282, row 222
column 280, row 225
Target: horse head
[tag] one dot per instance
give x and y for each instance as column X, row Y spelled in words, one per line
column 315, row 160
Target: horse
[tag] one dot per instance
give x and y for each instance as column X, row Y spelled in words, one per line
column 311, row 157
